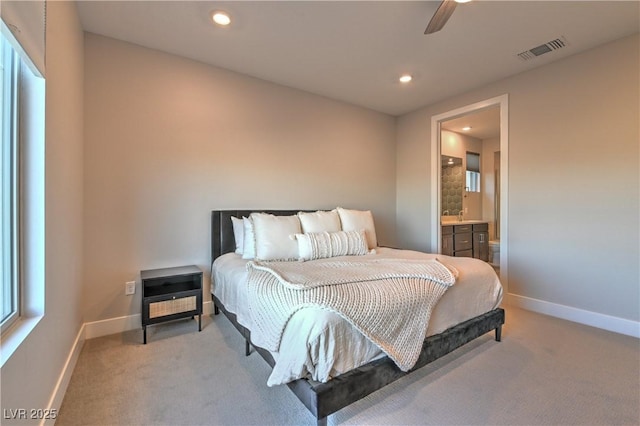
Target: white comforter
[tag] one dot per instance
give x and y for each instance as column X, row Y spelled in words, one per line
column 320, row 344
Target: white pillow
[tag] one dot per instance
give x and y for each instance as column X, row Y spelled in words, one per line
column 238, row 233
column 248, row 241
column 320, row 245
column 354, row 220
column 272, row 236
column 320, row 221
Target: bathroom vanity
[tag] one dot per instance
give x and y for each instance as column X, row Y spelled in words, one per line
column 469, row 238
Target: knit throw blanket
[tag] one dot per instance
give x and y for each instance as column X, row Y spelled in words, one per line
column 388, row 300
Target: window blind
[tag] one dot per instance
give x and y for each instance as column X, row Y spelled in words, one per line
column 473, row 162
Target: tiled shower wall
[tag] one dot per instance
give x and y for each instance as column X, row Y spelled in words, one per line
column 452, row 188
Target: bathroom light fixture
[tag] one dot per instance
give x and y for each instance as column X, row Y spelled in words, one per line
column 466, row 128
column 221, row 18
column 463, row 1
column 405, row 78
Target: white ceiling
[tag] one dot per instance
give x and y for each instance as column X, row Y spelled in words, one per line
column 485, row 124
column 354, row 51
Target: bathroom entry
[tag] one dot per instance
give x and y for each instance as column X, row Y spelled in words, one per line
column 448, row 127
column 470, row 142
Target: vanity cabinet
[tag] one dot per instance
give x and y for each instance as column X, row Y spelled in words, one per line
column 466, row 240
column 481, row 241
column 457, row 240
column 447, row 240
column 462, row 241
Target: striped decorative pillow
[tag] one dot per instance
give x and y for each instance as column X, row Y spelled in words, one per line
column 321, row 245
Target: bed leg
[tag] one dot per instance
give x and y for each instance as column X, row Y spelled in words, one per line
column 247, row 348
column 498, row 333
column 322, row 421
column 216, row 310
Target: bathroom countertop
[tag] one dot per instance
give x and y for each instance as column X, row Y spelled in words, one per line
column 463, row 222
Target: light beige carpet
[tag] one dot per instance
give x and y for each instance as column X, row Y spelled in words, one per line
column 545, row 371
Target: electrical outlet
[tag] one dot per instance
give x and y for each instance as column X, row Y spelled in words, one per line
column 129, row 288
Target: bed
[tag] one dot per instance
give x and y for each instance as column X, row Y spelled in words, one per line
column 456, row 320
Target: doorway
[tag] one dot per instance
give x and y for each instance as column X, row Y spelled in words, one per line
column 437, row 122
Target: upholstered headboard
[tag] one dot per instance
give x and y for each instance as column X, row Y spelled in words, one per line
column 222, row 239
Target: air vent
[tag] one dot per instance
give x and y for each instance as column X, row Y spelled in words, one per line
column 550, row 46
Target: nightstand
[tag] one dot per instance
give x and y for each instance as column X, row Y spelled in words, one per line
column 171, row 293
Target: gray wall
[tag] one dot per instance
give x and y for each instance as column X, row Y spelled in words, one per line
column 573, row 179
column 29, row 377
column 169, row 139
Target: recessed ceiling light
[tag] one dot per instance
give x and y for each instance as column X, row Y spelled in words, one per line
column 220, row 18
column 466, row 128
column 405, row 78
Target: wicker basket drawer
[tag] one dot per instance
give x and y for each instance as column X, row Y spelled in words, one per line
column 173, row 306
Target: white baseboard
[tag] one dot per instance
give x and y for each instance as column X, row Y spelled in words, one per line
column 120, row 324
column 90, row 330
column 65, row 376
column 593, row 319
column 111, row 326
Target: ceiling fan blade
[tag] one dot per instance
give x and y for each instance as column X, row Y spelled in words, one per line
column 441, row 16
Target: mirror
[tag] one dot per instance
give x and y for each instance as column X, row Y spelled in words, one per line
column 452, row 185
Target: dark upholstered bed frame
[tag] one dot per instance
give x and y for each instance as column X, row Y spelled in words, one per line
column 323, row 399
